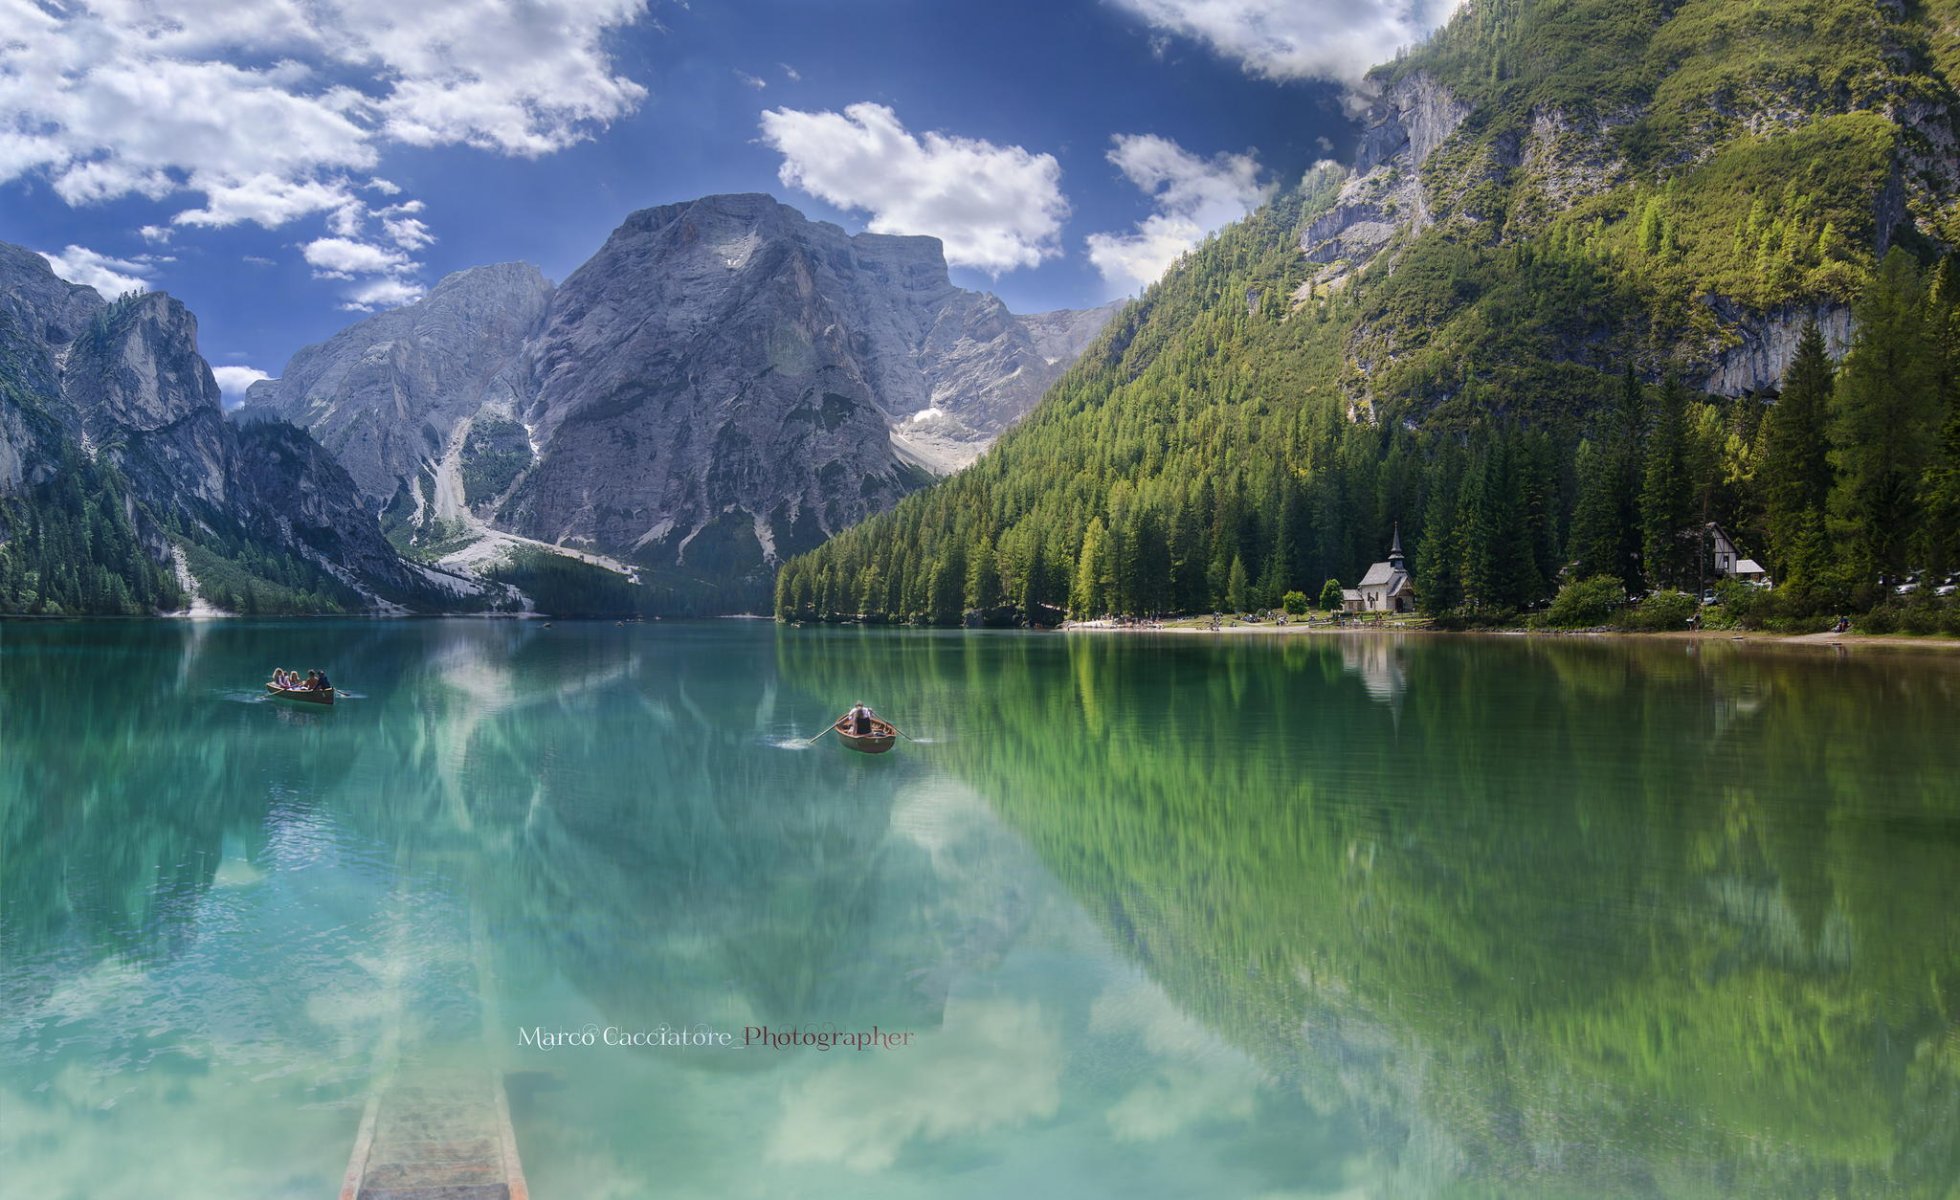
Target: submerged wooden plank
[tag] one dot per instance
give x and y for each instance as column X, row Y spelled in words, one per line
column 437, row 1136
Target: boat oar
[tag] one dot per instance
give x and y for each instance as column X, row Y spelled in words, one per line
column 826, row 729
column 900, row 732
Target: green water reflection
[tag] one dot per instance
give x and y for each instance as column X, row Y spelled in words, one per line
column 1178, row 917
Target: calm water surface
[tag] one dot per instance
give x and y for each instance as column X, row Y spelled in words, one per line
column 1335, row 917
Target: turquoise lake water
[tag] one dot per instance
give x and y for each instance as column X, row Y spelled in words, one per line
column 1165, row 916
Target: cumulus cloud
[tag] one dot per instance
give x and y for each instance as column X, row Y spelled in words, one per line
column 109, row 276
column 233, row 381
column 862, row 1113
column 994, row 207
column 344, row 258
column 267, row 111
column 1299, row 39
column 383, row 293
column 1194, row 197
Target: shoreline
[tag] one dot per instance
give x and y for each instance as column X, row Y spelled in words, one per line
column 1893, row 641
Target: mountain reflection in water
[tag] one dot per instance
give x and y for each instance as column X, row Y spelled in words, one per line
column 1324, row 916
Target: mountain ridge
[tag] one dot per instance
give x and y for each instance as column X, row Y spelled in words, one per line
column 1548, row 196
column 723, row 383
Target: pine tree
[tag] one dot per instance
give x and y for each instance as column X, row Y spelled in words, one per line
column 1236, row 586
column 1667, row 541
column 1883, row 425
column 1597, row 536
column 1794, row 474
column 983, row 575
column 1089, row 594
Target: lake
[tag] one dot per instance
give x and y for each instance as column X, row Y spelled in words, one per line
column 1135, row 916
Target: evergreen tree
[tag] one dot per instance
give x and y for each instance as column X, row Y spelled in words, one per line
column 1668, row 541
column 1794, row 472
column 1089, row 594
column 983, row 575
column 1883, row 426
column 1236, row 586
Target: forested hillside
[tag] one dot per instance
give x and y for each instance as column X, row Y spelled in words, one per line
column 1542, row 326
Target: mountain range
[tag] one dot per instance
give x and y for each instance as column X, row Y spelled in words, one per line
column 723, row 383
column 1538, row 325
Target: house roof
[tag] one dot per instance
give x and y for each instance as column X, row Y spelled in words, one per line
column 1350, row 593
column 1749, row 566
column 1378, row 575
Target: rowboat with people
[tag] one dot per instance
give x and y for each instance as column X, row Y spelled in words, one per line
column 313, row 688
column 878, row 735
column 304, row 695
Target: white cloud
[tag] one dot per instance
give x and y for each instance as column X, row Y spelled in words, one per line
column 383, row 293
column 995, row 207
column 791, row 73
column 233, row 381
column 407, row 232
column 268, row 111
column 863, row 1112
column 109, row 276
column 1300, row 39
column 752, row 81
column 344, row 258
column 1194, row 197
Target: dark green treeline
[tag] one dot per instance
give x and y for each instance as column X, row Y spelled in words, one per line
column 1219, row 472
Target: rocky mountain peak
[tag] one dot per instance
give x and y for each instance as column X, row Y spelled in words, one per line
column 137, row 368
column 45, row 306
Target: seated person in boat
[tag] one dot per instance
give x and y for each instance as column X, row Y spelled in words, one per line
column 279, row 677
column 860, row 718
column 321, row 680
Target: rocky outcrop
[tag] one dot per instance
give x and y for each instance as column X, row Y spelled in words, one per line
column 123, row 384
column 386, row 394
column 1766, row 344
column 1385, row 195
column 724, row 383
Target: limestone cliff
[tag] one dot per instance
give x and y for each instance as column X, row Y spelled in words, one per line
column 121, row 385
column 723, row 383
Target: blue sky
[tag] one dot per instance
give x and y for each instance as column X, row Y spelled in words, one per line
column 284, row 165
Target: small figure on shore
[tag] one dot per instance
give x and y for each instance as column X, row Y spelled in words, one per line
column 1843, row 624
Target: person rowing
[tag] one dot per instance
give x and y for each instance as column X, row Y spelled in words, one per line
column 860, row 718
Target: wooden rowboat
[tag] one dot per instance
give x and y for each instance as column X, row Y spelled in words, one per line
column 306, row 695
column 881, row 738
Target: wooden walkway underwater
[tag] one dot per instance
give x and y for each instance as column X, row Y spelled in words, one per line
column 436, row 1135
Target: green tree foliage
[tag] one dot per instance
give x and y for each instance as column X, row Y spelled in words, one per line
column 1668, row 544
column 1884, row 422
column 559, row 586
column 1794, row 477
column 70, row 547
column 1448, row 386
column 1587, row 602
column 1330, row 596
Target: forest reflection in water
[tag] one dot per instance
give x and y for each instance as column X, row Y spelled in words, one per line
column 1326, row 916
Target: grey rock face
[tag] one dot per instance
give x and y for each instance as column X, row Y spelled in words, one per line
column 40, row 315
column 1767, row 345
column 1385, row 194
column 724, row 383
column 124, row 383
column 384, row 395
